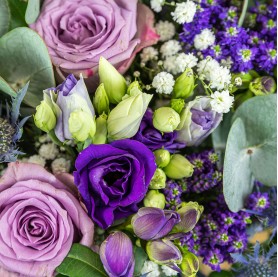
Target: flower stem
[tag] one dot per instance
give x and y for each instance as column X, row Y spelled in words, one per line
column 243, row 13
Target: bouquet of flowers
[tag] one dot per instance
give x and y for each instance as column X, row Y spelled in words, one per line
column 138, row 138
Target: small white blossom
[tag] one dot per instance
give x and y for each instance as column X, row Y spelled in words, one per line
column 156, row 5
column 60, row 165
column 203, row 40
column 221, row 101
column 170, row 65
column 163, row 82
column 170, row 48
column 227, row 62
column 184, row 61
column 169, row 271
column 165, row 29
column 44, row 139
column 204, row 68
column 184, row 12
column 148, row 54
column 220, row 77
column 36, row 159
column 48, row 151
column 151, row 268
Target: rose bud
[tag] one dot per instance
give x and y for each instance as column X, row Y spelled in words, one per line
column 190, row 214
column 101, row 130
column 198, row 121
column 82, row 126
column 116, row 254
column 153, row 223
column 155, row 199
column 263, row 85
column 189, row 264
column 158, row 180
column 162, row 157
column 124, row 120
column 184, row 84
column 179, row 167
column 166, row 119
column 114, row 82
column 101, row 102
column 45, row 118
column 163, row 252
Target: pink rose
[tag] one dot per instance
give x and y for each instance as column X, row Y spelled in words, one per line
column 40, row 218
column 79, row 32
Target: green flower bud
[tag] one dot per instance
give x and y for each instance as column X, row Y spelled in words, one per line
column 45, row 118
column 177, row 105
column 166, row 119
column 114, row 83
column 162, row 157
column 81, row 125
column 190, row 214
column 189, row 265
column 100, row 136
column 179, row 167
column 263, row 85
column 241, row 81
column 154, row 199
column 133, row 85
column 242, row 97
column 101, row 101
column 184, row 85
column 124, row 120
column 158, row 180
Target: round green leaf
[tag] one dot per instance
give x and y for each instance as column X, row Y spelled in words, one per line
column 4, row 17
column 32, row 11
column 24, row 57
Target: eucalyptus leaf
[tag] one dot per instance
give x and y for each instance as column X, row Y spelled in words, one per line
column 81, row 261
column 140, row 258
column 5, row 16
column 17, row 9
column 24, row 57
column 32, row 11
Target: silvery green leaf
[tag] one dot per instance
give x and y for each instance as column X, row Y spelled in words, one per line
column 5, row 16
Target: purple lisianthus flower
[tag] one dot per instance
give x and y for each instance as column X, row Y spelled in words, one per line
column 153, row 138
column 198, row 120
column 114, row 178
column 67, row 85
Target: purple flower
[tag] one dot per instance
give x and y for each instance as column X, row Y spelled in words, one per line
column 153, row 138
column 243, row 57
column 116, row 254
column 198, row 120
column 67, row 85
column 114, row 178
column 258, row 201
column 153, row 223
column 267, row 56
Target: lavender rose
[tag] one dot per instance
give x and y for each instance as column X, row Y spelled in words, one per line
column 153, row 138
column 79, row 32
column 40, row 218
column 113, row 178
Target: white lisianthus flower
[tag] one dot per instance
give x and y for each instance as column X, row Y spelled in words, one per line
column 221, row 101
column 165, row 29
column 156, row 5
column 169, row 271
column 151, row 268
column 148, row 54
column 205, row 39
column 184, row 12
column 163, row 82
column 170, row 48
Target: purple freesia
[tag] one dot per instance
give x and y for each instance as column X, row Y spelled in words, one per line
column 116, row 254
column 114, row 178
column 154, row 223
column 153, row 138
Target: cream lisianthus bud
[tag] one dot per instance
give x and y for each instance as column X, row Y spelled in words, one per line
column 166, row 119
column 45, row 118
column 184, row 84
column 101, row 130
column 101, row 101
column 114, row 83
column 82, row 125
column 124, row 120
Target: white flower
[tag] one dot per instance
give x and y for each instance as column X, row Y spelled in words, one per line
column 48, row 151
column 170, row 65
column 184, row 61
column 148, row 54
column 36, row 159
column 227, row 62
column 151, row 268
column 221, row 101
column 60, row 165
column 163, row 82
column 220, row 77
column 203, row 40
column 204, row 68
column 156, row 5
column 165, row 29
column 44, row 138
column 184, row 12
column 169, row 271
column 170, row 48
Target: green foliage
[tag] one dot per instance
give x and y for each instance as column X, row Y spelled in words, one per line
column 17, row 10
column 251, row 150
column 24, row 57
column 4, row 17
column 81, row 261
column 32, row 11
column 140, row 258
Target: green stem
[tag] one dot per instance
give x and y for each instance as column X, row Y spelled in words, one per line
column 243, row 13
